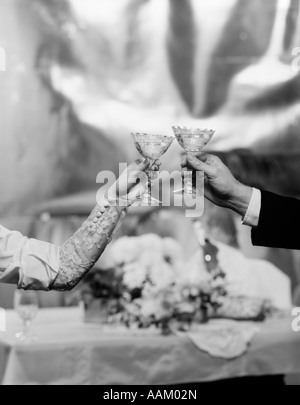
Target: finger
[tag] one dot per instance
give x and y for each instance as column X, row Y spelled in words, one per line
column 204, row 157
column 184, row 161
column 137, row 192
column 197, row 164
column 137, row 176
column 139, row 164
column 155, row 168
column 207, row 158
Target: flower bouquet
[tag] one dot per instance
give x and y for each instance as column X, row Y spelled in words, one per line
column 163, row 291
column 150, row 266
column 149, row 285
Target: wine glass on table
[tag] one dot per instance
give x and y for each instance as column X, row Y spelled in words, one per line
column 192, row 140
column 152, row 147
column 26, row 304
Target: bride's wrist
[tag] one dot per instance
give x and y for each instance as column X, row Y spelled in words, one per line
column 113, row 200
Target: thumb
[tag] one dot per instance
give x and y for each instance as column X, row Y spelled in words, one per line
column 137, row 176
column 138, row 165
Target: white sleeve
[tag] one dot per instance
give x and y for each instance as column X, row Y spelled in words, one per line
column 252, row 215
column 29, row 263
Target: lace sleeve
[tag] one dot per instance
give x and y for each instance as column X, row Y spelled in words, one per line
column 79, row 254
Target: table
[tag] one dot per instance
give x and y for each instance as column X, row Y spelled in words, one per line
column 71, row 352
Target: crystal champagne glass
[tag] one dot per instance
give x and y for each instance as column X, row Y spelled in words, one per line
column 152, row 147
column 26, row 304
column 192, row 140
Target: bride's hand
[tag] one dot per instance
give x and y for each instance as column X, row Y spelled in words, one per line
column 132, row 184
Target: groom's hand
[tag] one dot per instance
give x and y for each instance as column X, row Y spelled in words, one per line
column 221, row 187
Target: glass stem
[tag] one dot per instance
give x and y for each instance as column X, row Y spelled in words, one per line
column 188, row 182
column 150, row 174
column 27, row 327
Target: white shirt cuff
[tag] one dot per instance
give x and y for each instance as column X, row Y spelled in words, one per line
column 27, row 262
column 252, row 215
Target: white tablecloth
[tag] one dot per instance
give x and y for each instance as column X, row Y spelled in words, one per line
column 71, row 352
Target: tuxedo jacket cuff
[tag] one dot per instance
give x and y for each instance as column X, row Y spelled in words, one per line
column 279, row 217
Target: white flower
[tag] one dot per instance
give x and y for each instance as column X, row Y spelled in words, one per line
column 163, row 276
column 149, row 258
column 150, row 241
column 192, row 276
column 134, row 275
column 194, row 272
column 125, row 250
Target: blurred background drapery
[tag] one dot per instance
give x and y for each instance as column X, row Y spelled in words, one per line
column 82, row 74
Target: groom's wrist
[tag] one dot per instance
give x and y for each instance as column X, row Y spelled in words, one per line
column 240, row 199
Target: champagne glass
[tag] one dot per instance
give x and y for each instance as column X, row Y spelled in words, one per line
column 192, row 140
column 26, row 304
column 152, row 147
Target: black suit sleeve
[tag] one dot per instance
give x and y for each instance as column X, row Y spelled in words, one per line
column 279, row 222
